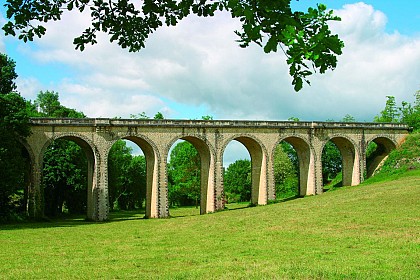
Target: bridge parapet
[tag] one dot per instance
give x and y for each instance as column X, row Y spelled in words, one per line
column 213, row 123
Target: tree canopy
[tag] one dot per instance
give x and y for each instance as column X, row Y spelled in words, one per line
column 286, row 171
column 47, row 104
column 14, row 126
column 390, row 112
column 184, row 175
column 127, row 177
column 237, row 181
column 406, row 113
column 8, row 74
column 304, row 37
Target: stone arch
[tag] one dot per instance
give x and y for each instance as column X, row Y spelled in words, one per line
column 259, row 165
column 84, row 142
column 29, row 149
column 93, row 159
column 384, row 146
column 193, row 139
column 305, row 155
column 152, row 157
column 207, row 169
column 350, row 155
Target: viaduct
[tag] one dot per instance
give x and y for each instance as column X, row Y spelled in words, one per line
column 210, row 138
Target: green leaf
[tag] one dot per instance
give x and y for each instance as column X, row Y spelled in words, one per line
column 298, row 83
column 271, row 45
column 70, row 5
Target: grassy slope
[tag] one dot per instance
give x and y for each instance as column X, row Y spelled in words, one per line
column 404, row 158
column 369, row 231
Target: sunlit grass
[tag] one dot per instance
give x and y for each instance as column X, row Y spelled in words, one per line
column 365, row 232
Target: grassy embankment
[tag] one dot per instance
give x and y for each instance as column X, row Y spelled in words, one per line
column 371, row 231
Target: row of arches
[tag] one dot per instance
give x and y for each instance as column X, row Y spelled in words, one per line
column 211, row 166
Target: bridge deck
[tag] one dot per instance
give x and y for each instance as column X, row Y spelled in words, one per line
column 212, row 123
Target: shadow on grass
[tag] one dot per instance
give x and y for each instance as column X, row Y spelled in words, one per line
column 118, row 216
column 240, row 206
column 332, row 187
column 124, row 215
column 72, row 220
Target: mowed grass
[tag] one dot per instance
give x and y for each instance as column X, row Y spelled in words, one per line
column 364, row 232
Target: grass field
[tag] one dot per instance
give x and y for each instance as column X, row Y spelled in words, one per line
column 370, row 231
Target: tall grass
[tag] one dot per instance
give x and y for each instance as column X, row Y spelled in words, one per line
column 364, row 232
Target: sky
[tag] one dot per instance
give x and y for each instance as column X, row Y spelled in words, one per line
column 197, row 68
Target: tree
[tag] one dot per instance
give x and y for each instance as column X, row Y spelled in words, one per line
column 136, row 174
column 64, row 179
column 390, row 112
column 126, row 178
column 331, row 162
column 348, row 118
column 8, row 74
column 291, row 153
column 184, row 175
column 140, row 116
column 207, row 118
column 14, row 126
column 237, row 181
column 304, row 37
column 407, row 113
column 293, row 119
column 286, row 171
column 47, row 104
column 158, row 116
column 410, row 114
column 118, row 162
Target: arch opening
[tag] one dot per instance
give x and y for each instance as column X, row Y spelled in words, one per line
column 236, row 175
column 190, row 176
column 292, row 173
column 258, row 166
column 376, row 152
column 340, row 163
column 131, row 163
column 68, row 177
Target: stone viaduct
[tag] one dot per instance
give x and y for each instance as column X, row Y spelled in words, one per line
column 210, row 138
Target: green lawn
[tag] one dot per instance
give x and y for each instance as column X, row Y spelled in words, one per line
column 365, row 232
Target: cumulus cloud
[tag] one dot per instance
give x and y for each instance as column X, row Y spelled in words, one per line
column 30, row 86
column 374, row 64
column 198, row 64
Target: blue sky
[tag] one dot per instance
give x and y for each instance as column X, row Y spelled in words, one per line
column 403, row 15
column 197, row 68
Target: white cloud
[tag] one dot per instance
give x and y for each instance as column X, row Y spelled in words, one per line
column 30, row 86
column 99, row 102
column 361, row 22
column 198, row 63
column 374, row 64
